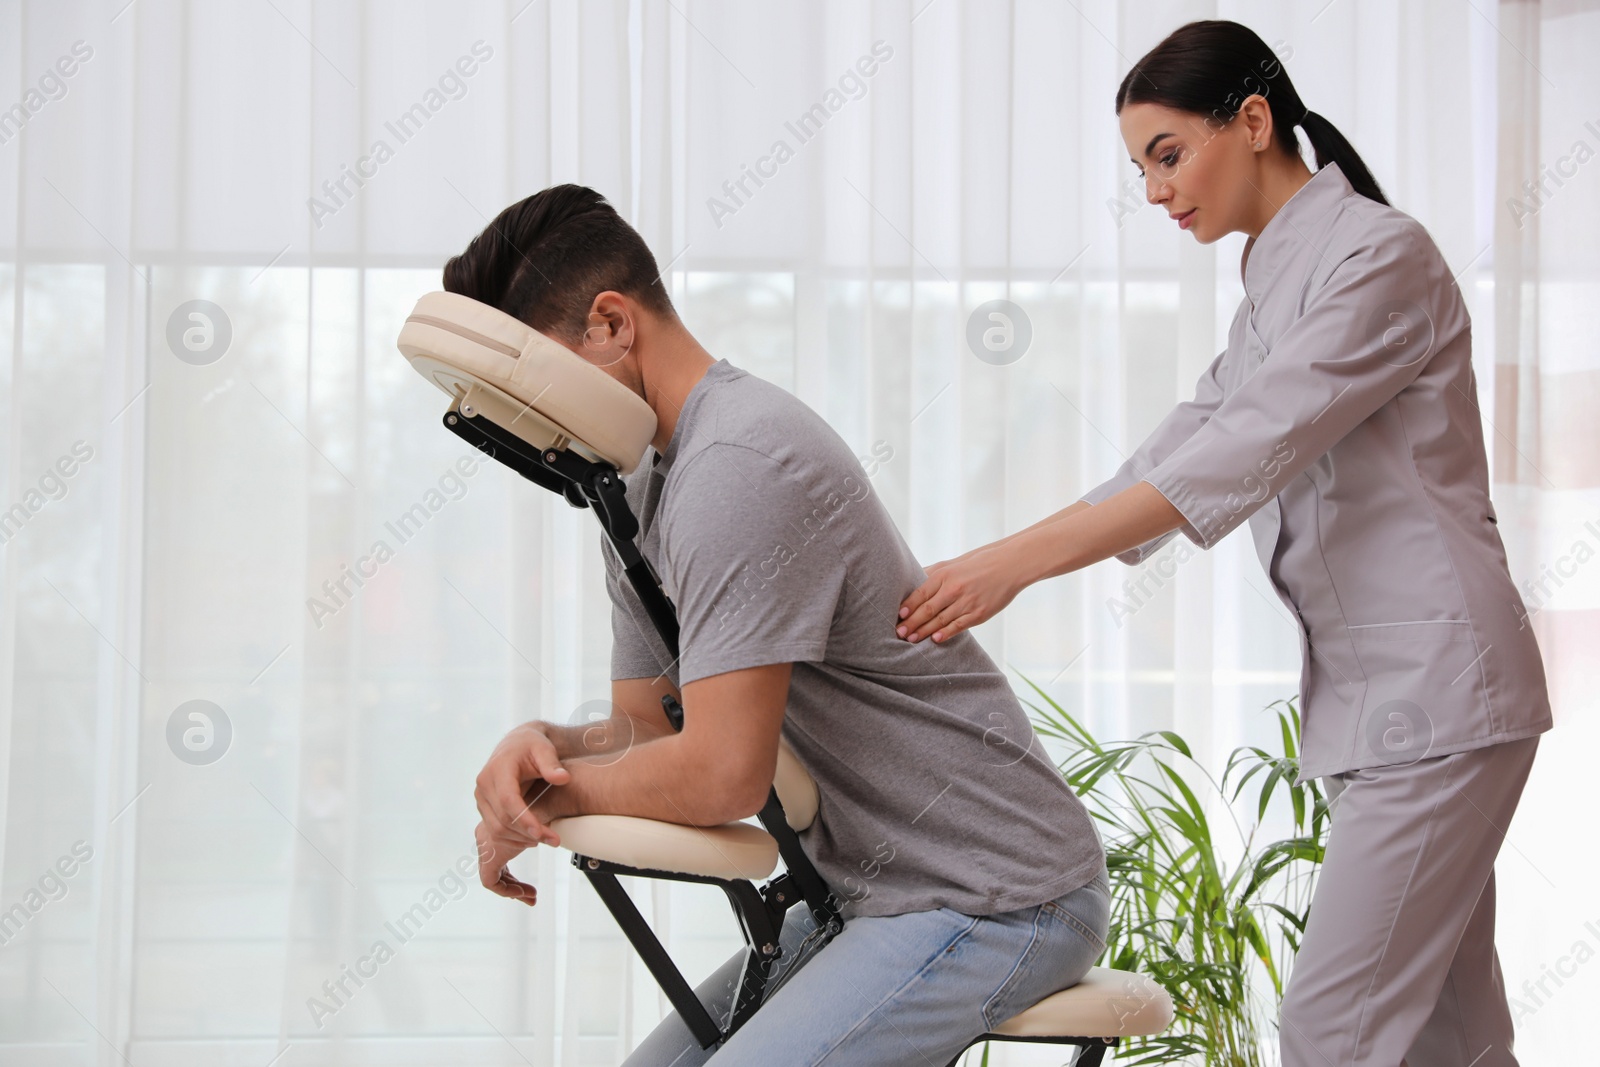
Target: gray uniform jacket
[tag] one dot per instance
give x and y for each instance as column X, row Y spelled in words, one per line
column 1342, row 421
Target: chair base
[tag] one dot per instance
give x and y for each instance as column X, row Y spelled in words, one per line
column 760, row 912
column 1091, row 1050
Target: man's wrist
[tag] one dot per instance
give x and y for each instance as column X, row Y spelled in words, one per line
column 549, row 802
column 563, row 738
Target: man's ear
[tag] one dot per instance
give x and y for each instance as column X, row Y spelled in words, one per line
column 609, row 329
column 614, row 312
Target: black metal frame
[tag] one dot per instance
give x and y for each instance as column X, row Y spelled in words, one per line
column 598, row 486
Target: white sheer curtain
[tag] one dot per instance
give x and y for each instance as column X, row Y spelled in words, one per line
column 182, row 510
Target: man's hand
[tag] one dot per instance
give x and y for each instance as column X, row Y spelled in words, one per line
column 525, row 757
column 493, row 855
column 517, row 809
column 523, row 782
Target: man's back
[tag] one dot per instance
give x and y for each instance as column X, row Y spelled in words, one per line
column 773, row 547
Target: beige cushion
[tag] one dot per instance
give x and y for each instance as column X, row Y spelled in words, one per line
column 797, row 792
column 732, row 850
column 1107, row 1003
column 539, row 389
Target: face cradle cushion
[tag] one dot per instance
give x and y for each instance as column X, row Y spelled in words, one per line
column 546, row 393
column 585, row 428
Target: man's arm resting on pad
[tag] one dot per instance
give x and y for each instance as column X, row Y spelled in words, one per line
column 717, row 770
column 536, row 750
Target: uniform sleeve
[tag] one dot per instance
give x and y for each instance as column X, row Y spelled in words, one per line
column 637, row 650
column 1363, row 338
column 755, row 557
column 1179, row 425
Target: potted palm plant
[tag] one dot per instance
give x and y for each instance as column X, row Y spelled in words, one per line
column 1202, row 899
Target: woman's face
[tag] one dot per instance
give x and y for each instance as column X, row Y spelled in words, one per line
column 1196, row 168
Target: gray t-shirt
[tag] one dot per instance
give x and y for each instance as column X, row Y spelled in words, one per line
column 935, row 791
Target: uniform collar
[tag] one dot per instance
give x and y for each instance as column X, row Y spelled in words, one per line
column 1303, row 219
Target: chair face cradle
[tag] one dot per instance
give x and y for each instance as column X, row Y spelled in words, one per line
column 529, row 402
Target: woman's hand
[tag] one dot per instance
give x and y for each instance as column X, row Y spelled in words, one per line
column 962, row 592
column 959, row 594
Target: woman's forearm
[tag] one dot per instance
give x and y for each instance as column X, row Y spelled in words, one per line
column 1082, row 534
column 1048, row 520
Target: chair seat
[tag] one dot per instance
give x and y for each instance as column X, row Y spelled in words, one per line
column 730, row 851
column 1106, row 1003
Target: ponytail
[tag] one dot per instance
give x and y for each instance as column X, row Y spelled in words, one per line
column 1330, row 146
column 1209, row 67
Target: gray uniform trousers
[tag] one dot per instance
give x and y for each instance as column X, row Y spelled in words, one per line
column 1398, row 959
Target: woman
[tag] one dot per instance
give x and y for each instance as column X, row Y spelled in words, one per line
column 1342, row 421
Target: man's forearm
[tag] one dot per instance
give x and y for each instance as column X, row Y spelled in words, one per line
column 1081, row 534
column 607, row 736
column 659, row 778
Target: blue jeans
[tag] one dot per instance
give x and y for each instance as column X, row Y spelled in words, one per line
column 898, row 989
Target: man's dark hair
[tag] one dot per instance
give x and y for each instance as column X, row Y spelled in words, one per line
column 545, row 258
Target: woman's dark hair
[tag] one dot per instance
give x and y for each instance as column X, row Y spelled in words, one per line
column 545, row 258
column 1209, row 67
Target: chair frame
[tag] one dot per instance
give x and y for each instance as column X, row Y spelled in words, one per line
column 760, row 911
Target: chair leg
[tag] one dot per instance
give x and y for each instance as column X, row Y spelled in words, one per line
column 666, row 973
column 761, row 935
column 1090, row 1055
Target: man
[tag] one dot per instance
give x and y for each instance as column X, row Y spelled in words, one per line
column 972, row 879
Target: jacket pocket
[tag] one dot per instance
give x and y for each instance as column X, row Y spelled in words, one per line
column 1424, row 690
